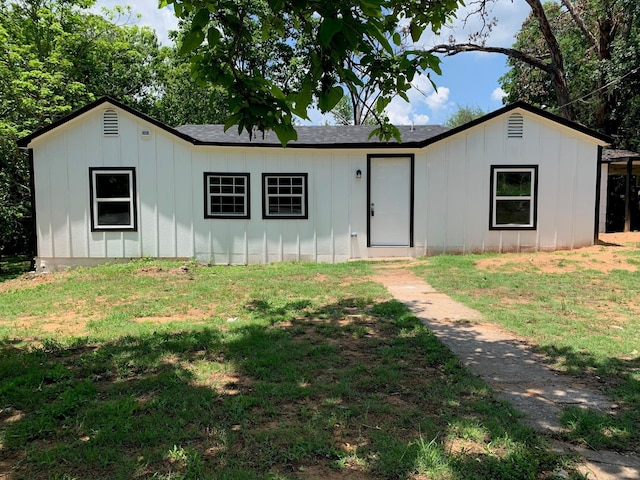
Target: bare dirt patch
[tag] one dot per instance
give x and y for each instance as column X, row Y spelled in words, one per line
column 28, row 280
column 608, row 255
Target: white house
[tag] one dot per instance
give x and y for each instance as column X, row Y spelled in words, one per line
column 111, row 183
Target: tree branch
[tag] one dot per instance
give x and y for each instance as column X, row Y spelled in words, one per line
column 581, row 25
column 453, row 49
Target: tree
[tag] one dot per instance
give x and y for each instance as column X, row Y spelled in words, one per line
column 605, row 102
column 322, row 37
column 54, row 58
column 464, row 115
column 597, row 28
column 179, row 99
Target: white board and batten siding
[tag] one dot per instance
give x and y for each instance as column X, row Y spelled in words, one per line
column 452, row 209
column 451, row 194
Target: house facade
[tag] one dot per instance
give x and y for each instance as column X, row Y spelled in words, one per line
column 111, row 183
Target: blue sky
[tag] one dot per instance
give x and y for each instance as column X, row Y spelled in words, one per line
column 468, row 79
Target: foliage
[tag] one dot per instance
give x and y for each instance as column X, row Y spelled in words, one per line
column 322, row 38
column 56, row 57
column 464, row 114
column 180, row 100
column 603, row 80
column 265, row 371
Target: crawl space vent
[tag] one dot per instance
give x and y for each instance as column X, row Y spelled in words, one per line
column 110, row 123
column 515, row 127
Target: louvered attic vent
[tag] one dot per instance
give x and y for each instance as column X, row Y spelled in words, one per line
column 515, row 127
column 110, row 123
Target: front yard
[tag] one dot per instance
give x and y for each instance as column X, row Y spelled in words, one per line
column 178, row 371
column 171, row 371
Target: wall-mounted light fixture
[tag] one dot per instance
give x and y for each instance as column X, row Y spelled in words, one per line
column 358, row 173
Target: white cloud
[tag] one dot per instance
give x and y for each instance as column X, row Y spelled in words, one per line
column 498, row 94
column 420, row 119
column 438, row 99
column 422, row 96
column 399, row 112
column 161, row 20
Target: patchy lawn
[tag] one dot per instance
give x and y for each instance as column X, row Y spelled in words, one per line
column 580, row 308
column 170, row 371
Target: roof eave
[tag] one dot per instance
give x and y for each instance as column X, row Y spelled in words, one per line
column 24, row 142
column 318, row 146
column 604, row 139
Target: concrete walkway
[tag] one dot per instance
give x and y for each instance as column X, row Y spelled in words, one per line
column 516, row 373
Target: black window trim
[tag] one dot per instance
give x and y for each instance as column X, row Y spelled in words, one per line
column 534, row 200
column 133, row 200
column 305, row 197
column 207, row 195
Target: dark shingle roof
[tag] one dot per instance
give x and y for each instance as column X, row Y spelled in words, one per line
column 318, row 136
column 314, row 136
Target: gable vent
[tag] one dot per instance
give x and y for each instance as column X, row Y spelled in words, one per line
column 110, row 123
column 515, row 126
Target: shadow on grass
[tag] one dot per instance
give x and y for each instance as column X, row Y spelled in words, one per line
column 320, row 395
column 13, row 267
column 620, row 379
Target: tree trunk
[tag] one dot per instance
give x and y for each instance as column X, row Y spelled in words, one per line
column 558, row 76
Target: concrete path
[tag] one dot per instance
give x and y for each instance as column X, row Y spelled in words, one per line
column 516, row 373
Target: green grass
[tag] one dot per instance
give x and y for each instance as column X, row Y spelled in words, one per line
column 586, row 321
column 159, row 370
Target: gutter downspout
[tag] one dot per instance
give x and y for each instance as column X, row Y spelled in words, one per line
column 596, row 232
column 34, row 237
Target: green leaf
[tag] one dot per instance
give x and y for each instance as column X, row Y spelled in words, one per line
column 276, row 5
column 382, row 103
column 285, row 133
column 192, row 41
column 232, row 120
column 277, row 92
column 381, row 38
column 328, row 28
column 213, row 35
column 201, row 18
column 301, row 103
column 329, row 99
column 397, row 39
column 416, row 31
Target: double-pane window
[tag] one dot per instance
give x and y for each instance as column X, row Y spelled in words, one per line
column 226, row 195
column 113, row 198
column 513, row 197
column 285, row 195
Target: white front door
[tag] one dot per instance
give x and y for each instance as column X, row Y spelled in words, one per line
column 390, row 196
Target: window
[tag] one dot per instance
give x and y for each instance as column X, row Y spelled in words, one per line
column 285, row 195
column 514, row 197
column 113, row 205
column 226, row 195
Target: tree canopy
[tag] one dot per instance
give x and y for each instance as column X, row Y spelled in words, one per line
column 464, row 114
column 328, row 42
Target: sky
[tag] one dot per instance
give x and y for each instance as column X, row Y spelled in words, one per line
column 467, row 80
